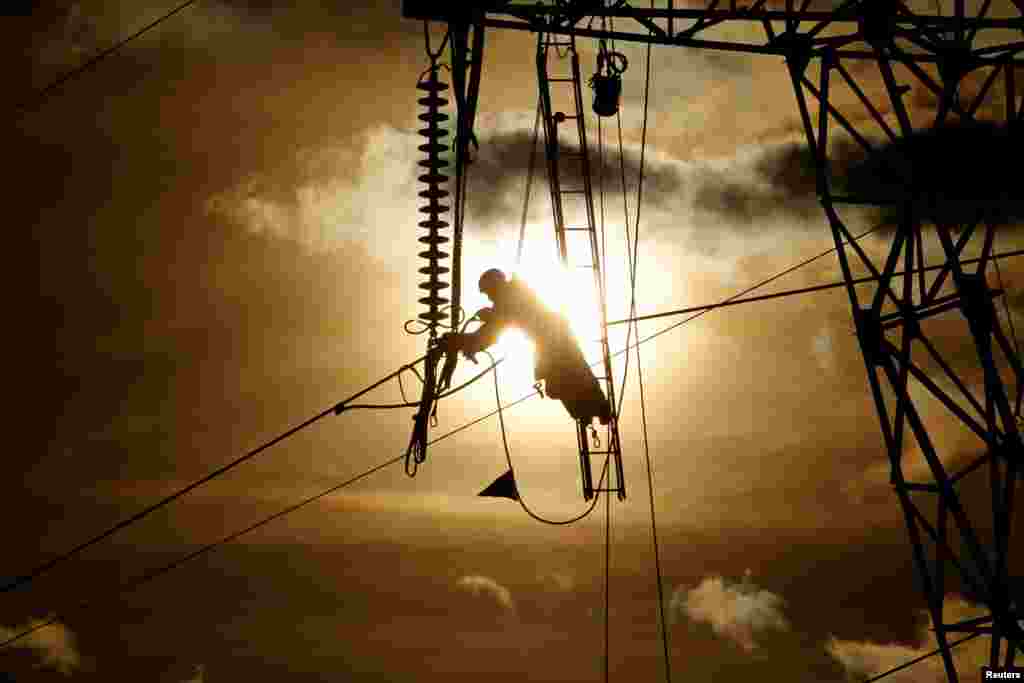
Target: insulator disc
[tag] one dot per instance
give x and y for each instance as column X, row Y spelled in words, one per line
column 440, row 208
column 434, row 286
column 440, row 226
column 431, row 178
column 433, row 315
column 432, row 101
column 433, row 163
column 433, row 300
column 433, row 239
column 434, row 193
column 434, row 254
column 433, row 148
column 433, row 132
column 432, row 85
column 433, row 271
column 432, row 116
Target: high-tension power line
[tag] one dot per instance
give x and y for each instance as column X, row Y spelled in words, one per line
column 793, row 292
column 153, row 574
column 336, row 409
column 42, row 94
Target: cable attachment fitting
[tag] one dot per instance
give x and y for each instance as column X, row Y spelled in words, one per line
column 607, row 81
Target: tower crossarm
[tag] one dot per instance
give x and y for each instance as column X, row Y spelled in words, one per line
column 759, row 27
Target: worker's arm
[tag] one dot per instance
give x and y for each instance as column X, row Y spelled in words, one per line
column 485, row 336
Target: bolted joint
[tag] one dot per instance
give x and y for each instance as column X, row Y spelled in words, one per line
column 797, row 48
column 955, row 62
column 976, row 303
column 877, row 22
column 911, row 326
column 869, row 333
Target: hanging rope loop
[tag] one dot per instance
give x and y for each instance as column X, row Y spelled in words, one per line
column 432, row 55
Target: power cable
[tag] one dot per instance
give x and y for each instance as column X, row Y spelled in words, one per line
column 160, row 571
column 611, row 383
column 153, row 574
column 99, row 57
column 138, row 582
column 734, row 301
column 650, row 337
column 337, row 409
column 607, row 580
column 921, row 658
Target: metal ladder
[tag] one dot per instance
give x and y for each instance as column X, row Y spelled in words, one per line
column 578, row 246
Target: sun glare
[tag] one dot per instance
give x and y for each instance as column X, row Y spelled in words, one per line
column 569, row 293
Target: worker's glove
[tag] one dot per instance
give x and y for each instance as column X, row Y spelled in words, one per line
column 449, row 342
column 469, row 346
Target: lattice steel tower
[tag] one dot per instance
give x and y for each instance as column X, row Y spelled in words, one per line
column 906, row 108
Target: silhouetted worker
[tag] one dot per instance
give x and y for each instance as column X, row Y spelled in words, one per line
column 559, row 360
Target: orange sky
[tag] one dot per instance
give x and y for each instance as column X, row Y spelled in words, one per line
column 220, row 244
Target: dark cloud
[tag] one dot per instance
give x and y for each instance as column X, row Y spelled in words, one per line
column 779, row 182
column 961, row 171
column 497, row 176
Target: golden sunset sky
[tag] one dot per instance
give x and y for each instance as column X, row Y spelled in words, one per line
column 213, row 238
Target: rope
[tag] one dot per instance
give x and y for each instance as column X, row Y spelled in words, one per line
column 629, row 249
column 529, row 185
column 508, row 458
column 462, row 181
column 96, row 59
column 434, row 56
column 640, row 373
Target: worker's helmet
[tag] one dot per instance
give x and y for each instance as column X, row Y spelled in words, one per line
column 491, row 280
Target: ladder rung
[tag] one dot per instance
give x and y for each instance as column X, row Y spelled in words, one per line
column 577, row 229
column 572, row 191
column 560, row 80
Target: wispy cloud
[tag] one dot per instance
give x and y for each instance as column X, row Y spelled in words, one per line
column 486, row 586
column 735, row 610
column 54, row 644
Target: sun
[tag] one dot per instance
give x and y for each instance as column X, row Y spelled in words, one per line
column 569, row 292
